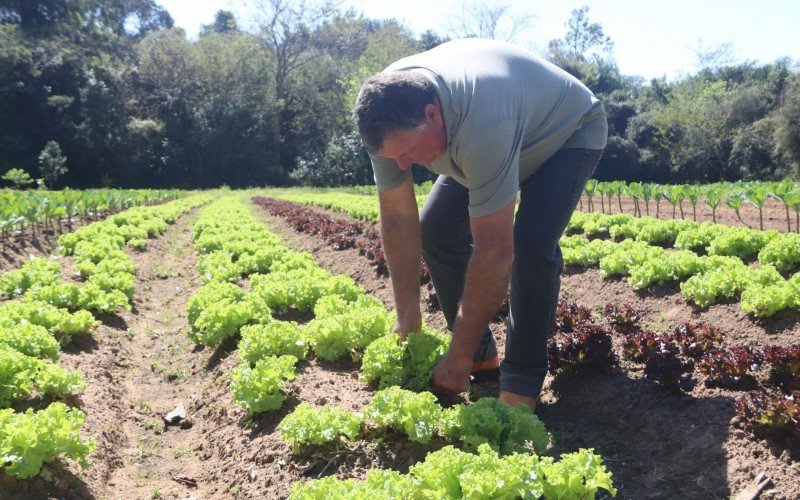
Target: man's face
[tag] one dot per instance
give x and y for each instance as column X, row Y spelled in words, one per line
column 418, row 146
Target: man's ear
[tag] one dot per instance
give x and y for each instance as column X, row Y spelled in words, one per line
column 434, row 113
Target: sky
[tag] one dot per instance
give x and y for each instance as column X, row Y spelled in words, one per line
column 651, row 38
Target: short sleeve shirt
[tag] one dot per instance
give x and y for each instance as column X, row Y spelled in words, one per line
column 506, row 112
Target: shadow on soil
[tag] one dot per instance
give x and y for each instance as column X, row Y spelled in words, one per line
column 65, row 485
column 221, row 352
column 656, row 443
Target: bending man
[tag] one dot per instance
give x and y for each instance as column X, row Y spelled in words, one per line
column 493, row 120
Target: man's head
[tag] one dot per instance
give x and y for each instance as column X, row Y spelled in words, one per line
column 399, row 116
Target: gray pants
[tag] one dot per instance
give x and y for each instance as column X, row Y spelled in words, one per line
column 547, row 200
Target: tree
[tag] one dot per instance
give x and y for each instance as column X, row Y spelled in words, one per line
column 52, row 163
column 18, row 178
column 583, row 40
column 430, row 39
column 712, row 57
column 224, row 22
column 693, row 130
column 490, row 19
column 386, row 45
column 65, row 67
column 285, row 27
column 343, row 163
column 787, row 126
column 586, row 53
column 210, row 105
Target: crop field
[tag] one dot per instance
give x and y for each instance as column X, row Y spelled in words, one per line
column 238, row 345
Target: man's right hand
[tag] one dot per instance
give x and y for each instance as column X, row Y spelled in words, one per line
column 408, row 325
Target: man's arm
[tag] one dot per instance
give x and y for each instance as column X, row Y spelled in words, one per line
column 487, row 279
column 400, row 233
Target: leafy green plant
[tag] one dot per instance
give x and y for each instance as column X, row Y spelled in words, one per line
column 31, row 340
column 335, row 335
column 58, row 321
column 451, row 473
column 415, row 414
column 260, row 388
column 20, row 375
column 35, row 271
column 391, row 361
column 488, row 421
column 757, row 195
column 275, row 338
column 218, row 310
column 29, row 440
column 18, row 178
column 325, row 425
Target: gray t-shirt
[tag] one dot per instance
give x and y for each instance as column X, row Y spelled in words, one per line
column 506, row 112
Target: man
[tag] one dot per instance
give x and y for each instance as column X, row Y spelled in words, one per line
column 493, row 120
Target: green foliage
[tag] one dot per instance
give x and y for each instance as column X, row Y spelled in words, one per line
column 344, row 162
column 671, row 266
column 309, row 426
column 60, row 322
column 18, row 178
column 740, row 242
column 36, row 271
column 218, row 310
column 488, row 421
column 52, row 163
column 31, row 340
column 29, row 440
column 335, row 334
column 783, row 252
column 766, row 300
column 451, row 473
column 627, row 255
column 20, row 375
column 285, row 287
column 260, row 388
column 389, row 361
column 415, row 414
column 576, row 475
column 275, row 338
column 89, row 297
column 726, row 281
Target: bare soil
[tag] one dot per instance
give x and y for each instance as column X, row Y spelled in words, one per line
column 139, row 365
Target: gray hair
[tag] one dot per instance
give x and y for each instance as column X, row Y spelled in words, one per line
column 391, row 102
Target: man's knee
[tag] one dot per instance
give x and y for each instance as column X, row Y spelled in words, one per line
column 534, row 244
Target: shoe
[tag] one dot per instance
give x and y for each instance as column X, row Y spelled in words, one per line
column 488, row 369
column 486, row 363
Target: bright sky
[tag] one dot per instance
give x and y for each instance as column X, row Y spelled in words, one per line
column 651, row 38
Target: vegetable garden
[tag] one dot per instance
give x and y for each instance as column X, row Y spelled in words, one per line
column 265, row 316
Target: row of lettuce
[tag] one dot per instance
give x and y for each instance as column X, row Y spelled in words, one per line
column 42, row 310
column 710, row 262
column 495, row 459
column 36, row 208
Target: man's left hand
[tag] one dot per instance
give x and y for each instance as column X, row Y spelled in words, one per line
column 451, row 375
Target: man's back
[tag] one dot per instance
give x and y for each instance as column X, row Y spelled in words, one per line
column 506, row 111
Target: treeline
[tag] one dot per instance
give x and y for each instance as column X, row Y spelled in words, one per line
column 132, row 103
